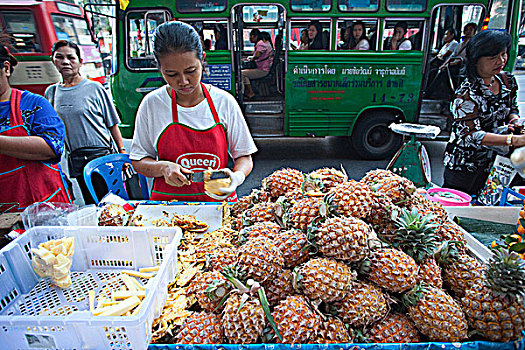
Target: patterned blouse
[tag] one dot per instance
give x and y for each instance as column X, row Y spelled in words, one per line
column 477, row 111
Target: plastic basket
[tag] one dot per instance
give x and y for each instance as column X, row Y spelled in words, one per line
column 34, row 314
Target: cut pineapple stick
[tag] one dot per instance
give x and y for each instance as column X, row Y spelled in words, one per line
column 149, row 269
column 122, row 307
column 145, row 275
column 124, row 294
column 137, row 283
column 128, row 281
column 91, row 295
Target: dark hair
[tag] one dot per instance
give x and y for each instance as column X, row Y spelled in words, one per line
column 353, row 39
column 65, row 43
column 175, row 37
column 5, row 55
column 473, row 25
column 485, row 44
column 266, row 36
column 452, row 30
column 317, row 42
column 403, row 25
column 257, row 33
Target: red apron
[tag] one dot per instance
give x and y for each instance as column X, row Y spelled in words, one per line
column 197, row 150
column 28, row 181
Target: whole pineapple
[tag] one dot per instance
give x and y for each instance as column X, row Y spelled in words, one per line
column 268, row 229
column 495, row 305
column 363, row 305
column 221, row 257
column 450, row 231
column 436, row 314
column 324, row 279
column 295, row 319
column 460, row 270
column 331, row 331
column 260, row 212
column 280, row 287
column 330, row 177
column 282, row 181
column 373, row 176
column 342, row 238
column 398, row 189
column 210, row 288
column 201, row 328
column 242, row 319
column 349, row 198
column 415, row 235
column 302, row 213
column 394, row 328
column 390, row 269
column 260, row 259
column 381, row 216
column 293, row 245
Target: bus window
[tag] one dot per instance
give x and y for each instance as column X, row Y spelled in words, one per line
column 498, row 14
column 141, row 26
column 357, row 5
column 213, row 32
column 409, row 35
column 73, row 29
column 297, row 26
column 345, row 33
column 192, row 6
column 260, row 14
column 406, row 5
column 311, row 5
column 21, row 31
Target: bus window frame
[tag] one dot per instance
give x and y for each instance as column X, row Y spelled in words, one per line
column 406, row 19
column 146, row 10
column 358, row 11
column 353, row 19
column 37, row 28
column 309, row 20
column 312, row 12
column 189, row 20
column 406, row 11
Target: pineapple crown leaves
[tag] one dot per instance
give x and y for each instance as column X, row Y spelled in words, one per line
column 415, row 234
column 312, row 183
column 412, row 297
column 448, row 251
column 248, row 289
column 311, row 235
column 505, row 275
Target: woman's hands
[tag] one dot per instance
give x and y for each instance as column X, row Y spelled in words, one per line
column 237, row 178
column 174, row 173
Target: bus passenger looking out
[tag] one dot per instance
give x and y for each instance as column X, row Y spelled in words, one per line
column 315, row 37
column 263, row 58
column 398, row 41
column 449, row 45
column 304, row 40
column 357, row 37
column 221, row 42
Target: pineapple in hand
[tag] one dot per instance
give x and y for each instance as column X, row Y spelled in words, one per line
column 495, row 306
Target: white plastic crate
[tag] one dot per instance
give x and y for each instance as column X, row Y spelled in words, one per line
column 36, row 315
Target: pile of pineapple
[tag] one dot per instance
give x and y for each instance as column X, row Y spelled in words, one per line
column 319, row 258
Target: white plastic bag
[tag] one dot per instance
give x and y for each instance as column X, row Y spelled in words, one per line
column 501, row 175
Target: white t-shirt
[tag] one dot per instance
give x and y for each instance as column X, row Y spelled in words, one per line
column 154, row 115
column 450, row 46
column 362, row 45
column 405, row 45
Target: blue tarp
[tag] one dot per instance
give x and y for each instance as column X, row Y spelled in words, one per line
column 473, row 345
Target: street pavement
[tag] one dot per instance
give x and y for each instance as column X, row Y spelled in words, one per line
column 307, row 154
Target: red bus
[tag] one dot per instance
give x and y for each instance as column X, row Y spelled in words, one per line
column 29, row 28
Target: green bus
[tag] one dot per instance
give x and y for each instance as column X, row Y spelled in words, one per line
column 309, row 93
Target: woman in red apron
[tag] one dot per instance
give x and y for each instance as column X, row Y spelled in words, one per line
column 168, row 148
column 24, row 177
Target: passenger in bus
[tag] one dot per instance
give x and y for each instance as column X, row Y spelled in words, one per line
column 304, row 40
column 31, row 144
column 449, row 45
column 263, row 58
column 91, row 119
column 315, row 36
column 485, row 114
column 359, row 40
column 221, row 42
column 346, row 38
column 398, row 41
column 186, row 126
column 437, row 79
column 440, row 86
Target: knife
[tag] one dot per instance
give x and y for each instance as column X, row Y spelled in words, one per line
column 215, row 175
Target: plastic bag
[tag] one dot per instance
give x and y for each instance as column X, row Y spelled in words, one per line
column 114, row 211
column 47, row 214
column 501, row 175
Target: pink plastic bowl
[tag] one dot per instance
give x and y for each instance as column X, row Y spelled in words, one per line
column 459, row 198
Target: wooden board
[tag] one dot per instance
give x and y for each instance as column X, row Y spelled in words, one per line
column 500, row 215
column 9, row 220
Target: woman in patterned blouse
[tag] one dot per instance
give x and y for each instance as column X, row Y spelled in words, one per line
column 485, row 113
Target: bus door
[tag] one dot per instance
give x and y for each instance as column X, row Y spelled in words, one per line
column 265, row 111
column 440, row 79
